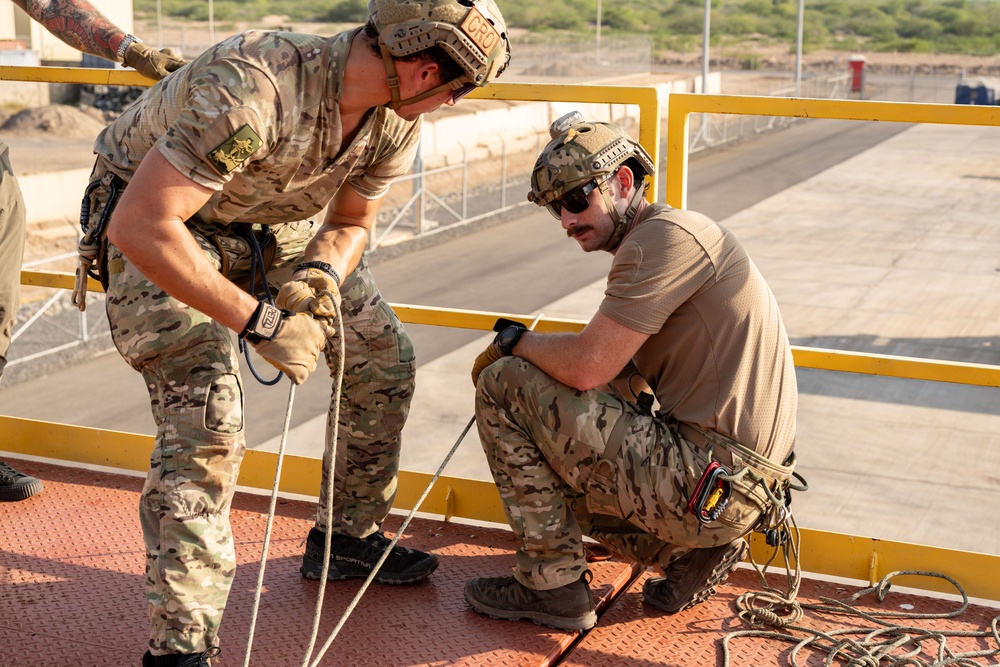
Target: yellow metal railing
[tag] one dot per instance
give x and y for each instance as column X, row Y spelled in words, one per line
column 680, row 106
column 825, row 553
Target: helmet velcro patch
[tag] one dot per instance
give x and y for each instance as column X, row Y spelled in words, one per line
column 480, row 31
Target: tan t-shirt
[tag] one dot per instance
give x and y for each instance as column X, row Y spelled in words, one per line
column 256, row 118
column 718, row 355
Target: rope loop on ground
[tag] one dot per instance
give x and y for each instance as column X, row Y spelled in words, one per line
column 882, row 644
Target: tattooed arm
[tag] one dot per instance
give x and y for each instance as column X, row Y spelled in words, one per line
column 77, row 23
column 80, row 25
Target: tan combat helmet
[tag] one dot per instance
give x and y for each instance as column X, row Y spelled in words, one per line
column 581, row 152
column 472, row 32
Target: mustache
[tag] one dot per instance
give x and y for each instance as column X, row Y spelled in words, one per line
column 576, row 230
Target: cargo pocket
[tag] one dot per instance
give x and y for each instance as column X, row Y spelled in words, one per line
column 224, row 405
column 602, row 490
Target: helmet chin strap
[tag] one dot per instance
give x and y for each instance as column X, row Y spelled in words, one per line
column 392, row 78
column 620, row 222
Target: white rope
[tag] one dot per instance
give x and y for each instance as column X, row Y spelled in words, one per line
column 389, row 548
column 338, row 384
column 270, row 524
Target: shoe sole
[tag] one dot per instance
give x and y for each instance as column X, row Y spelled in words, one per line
column 21, row 492
column 315, row 573
column 717, row 576
column 558, row 622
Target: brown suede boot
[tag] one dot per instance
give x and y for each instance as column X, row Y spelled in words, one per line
column 692, row 578
column 569, row 607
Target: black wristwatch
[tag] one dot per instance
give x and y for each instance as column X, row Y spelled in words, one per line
column 263, row 324
column 322, row 266
column 508, row 333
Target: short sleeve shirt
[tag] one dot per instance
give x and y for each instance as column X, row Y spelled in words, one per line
column 717, row 355
column 256, row 119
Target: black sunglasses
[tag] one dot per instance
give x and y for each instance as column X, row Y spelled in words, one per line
column 575, row 201
column 462, row 91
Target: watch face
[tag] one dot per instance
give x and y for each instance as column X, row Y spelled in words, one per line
column 508, row 338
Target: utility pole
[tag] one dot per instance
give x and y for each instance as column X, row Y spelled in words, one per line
column 598, row 33
column 798, row 52
column 704, row 47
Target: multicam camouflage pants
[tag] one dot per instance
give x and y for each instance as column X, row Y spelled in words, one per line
column 12, row 223
column 543, row 441
column 192, row 374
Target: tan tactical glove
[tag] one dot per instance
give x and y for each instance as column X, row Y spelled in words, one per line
column 151, row 63
column 290, row 342
column 508, row 333
column 311, row 290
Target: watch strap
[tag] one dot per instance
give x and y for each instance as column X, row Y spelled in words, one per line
column 322, row 266
column 508, row 334
column 123, row 46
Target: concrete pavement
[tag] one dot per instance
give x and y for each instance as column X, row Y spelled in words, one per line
column 894, row 251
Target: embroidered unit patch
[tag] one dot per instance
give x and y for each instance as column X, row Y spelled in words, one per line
column 234, row 151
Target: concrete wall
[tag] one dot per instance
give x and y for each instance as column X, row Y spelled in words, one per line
column 54, row 195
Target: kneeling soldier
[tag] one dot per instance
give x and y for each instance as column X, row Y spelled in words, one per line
column 566, row 419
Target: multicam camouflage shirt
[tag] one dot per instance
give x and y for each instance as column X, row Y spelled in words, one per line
column 256, row 118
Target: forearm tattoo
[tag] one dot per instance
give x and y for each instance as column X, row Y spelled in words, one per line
column 78, row 23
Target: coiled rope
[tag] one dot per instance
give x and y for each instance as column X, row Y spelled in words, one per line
column 880, row 644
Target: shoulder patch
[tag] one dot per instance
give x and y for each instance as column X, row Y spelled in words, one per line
column 234, row 151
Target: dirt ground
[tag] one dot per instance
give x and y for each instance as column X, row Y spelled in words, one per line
column 55, row 120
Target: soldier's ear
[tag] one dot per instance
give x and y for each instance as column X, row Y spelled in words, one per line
column 626, row 179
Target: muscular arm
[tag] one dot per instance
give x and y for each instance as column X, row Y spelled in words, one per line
column 585, row 360
column 148, row 227
column 77, row 23
column 344, row 233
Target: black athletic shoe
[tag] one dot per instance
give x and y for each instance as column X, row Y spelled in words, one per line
column 181, row 659
column 569, row 607
column 15, row 485
column 356, row 556
column 692, row 578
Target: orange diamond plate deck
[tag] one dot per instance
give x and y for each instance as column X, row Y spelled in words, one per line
column 71, row 593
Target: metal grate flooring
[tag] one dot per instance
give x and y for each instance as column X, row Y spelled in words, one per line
column 71, row 593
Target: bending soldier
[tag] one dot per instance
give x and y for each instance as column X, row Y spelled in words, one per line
column 685, row 313
column 80, row 25
column 221, row 169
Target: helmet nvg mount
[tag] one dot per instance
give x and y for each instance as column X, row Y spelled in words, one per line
column 582, row 151
column 472, row 32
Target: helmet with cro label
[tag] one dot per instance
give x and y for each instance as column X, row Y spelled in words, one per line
column 472, row 32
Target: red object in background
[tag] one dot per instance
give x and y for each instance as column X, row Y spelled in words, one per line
column 857, row 63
